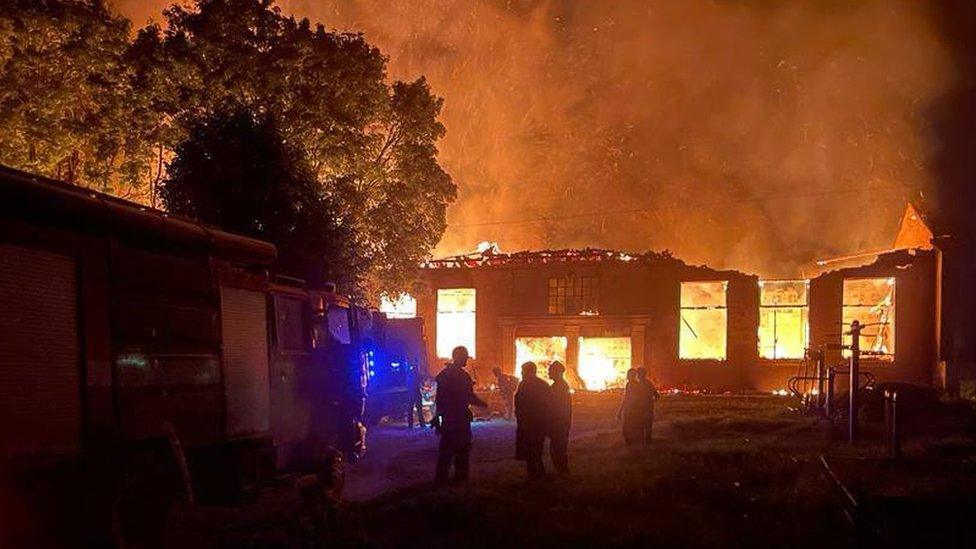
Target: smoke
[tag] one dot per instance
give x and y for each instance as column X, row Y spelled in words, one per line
column 756, row 135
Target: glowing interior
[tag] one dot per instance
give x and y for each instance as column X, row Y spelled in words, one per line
column 455, row 320
column 603, row 362
column 872, row 302
column 784, row 326
column 404, row 306
column 541, row 350
column 704, row 320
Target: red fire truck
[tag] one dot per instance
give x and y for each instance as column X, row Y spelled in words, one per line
column 145, row 356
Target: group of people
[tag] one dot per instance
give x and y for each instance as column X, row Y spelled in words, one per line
column 542, row 410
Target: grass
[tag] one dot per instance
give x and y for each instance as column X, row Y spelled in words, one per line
column 723, row 471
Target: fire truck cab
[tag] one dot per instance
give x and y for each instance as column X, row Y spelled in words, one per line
column 318, row 375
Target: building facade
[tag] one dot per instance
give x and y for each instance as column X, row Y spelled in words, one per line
column 602, row 312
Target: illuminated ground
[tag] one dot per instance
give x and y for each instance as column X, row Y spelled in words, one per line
column 725, row 471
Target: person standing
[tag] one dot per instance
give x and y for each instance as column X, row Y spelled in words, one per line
column 507, row 386
column 414, row 397
column 650, row 394
column 455, row 395
column 531, row 413
column 632, row 410
column 560, row 418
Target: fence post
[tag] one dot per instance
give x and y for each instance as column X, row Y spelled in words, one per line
column 821, row 373
column 892, row 424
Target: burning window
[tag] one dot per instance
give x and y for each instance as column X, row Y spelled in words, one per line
column 541, row 350
column 603, row 362
column 784, row 313
column 704, row 320
column 455, row 320
column 872, row 302
column 404, row 306
column 575, row 295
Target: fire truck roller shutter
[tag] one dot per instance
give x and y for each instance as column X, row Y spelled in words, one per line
column 245, row 348
column 40, row 403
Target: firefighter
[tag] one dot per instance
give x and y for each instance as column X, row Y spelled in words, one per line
column 506, row 387
column 455, row 393
column 532, row 415
column 649, row 395
column 560, row 418
column 414, row 398
column 632, row 410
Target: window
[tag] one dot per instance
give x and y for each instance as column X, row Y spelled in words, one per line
column 339, row 324
column 603, row 362
column 574, row 295
column 291, row 324
column 557, row 296
column 588, row 295
column 784, row 313
column 455, row 320
column 404, row 306
column 872, row 302
column 541, row 350
column 704, row 320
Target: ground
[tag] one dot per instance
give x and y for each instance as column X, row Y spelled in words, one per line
column 723, row 470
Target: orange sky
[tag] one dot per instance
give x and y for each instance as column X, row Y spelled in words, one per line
column 752, row 135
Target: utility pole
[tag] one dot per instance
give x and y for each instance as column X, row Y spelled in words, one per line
column 855, row 381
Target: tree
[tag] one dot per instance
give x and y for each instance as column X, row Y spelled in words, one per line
column 80, row 102
column 370, row 145
column 236, row 170
column 64, row 91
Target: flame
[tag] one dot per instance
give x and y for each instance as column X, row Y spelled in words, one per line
column 603, row 362
column 541, row 350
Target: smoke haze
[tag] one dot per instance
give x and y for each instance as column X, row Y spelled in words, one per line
column 756, row 135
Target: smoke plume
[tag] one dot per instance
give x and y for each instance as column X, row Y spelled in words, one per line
column 755, row 135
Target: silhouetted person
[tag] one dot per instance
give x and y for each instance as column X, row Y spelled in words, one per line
column 507, row 385
column 560, row 418
column 414, row 398
column 650, row 395
column 532, row 414
column 455, row 393
column 632, row 410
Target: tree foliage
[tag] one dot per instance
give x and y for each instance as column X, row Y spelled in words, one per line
column 236, row 170
column 64, row 92
column 124, row 108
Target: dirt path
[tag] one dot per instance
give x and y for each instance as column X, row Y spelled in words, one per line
column 398, row 457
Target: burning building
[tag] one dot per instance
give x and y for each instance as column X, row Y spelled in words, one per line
column 602, row 312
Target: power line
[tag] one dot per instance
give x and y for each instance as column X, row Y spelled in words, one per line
column 702, row 205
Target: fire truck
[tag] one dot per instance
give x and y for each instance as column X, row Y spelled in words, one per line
column 146, row 357
column 396, row 351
